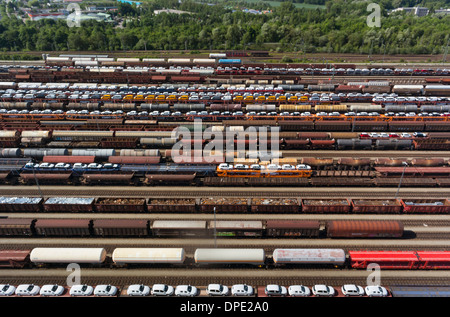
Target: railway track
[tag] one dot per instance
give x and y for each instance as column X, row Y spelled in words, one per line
column 225, row 276
column 198, row 192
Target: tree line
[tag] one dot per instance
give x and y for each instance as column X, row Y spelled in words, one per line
column 339, row 28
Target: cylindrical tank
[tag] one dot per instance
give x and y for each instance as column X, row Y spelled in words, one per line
column 68, row 255
column 148, row 255
column 44, row 152
column 353, row 144
column 139, row 152
column 393, row 144
column 230, row 256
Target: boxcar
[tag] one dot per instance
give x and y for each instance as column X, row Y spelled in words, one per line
column 120, row 227
column 179, row 228
column 62, row 227
column 225, row 228
column 14, row 258
column 364, row 229
column 292, row 228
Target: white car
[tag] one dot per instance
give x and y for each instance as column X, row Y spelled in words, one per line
column 51, row 290
column 275, row 290
column 162, row 290
column 138, row 290
column 241, row 290
column 298, row 290
column 217, row 289
column 105, row 290
column 7, row 290
column 352, row 290
column 376, row 290
column 81, row 290
column 186, row 290
column 323, row 290
column 225, row 166
column 27, row 290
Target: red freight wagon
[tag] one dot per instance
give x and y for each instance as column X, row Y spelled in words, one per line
column 68, row 159
column 434, row 259
column 431, row 206
column 14, row 258
column 384, row 259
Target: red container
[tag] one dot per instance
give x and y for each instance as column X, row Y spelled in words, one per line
column 69, row 159
column 434, row 259
column 384, row 259
column 134, row 159
column 62, row 227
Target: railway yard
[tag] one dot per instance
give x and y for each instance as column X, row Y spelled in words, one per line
column 279, row 174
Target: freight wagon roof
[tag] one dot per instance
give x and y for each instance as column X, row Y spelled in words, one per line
column 178, row 224
column 254, row 256
column 12, row 223
column 336, row 256
column 163, row 168
column 62, row 223
column 149, row 255
column 434, row 256
column 68, row 255
column 120, row 223
column 437, row 170
column 222, row 224
column 14, row 255
column 292, row 224
column 383, row 256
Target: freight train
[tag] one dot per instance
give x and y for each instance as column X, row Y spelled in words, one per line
column 207, row 205
column 225, row 257
column 51, row 227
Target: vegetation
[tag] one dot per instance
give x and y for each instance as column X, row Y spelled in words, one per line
column 338, row 28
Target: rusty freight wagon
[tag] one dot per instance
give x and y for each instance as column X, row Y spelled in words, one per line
column 120, row 205
column 14, row 258
column 376, row 206
column 326, row 205
column 120, row 227
column 179, row 228
column 16, row 227
column 364, row 229
column 275, row 205
column 62, row 227
column 292, row 228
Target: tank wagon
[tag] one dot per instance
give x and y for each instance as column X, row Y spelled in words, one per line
column 227, row 257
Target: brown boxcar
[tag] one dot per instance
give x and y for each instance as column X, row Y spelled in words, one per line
column 364, row 229
column 376, row 206
column 332, row 125
column 14, row 258
column 292, row 228
column 120, row 205
column 16, row 227
column 62, row 227
column 120, row 227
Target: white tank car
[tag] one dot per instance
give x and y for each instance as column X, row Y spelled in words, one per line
column 68, row 255
column 230, row 256
column 148, row 255
column 309, row 256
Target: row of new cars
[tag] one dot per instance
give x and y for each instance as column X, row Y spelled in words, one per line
column 190, row 291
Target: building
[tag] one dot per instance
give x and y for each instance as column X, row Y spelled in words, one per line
column 418, row 11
